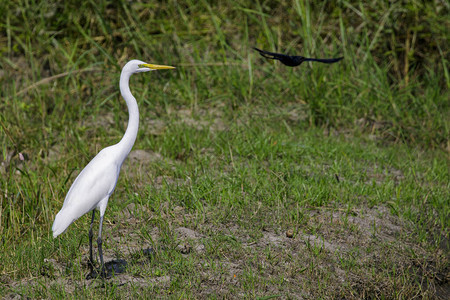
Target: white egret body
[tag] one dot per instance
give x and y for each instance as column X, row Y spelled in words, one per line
column 96, row 182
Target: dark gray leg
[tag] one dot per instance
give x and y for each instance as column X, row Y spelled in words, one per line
column 91, row 235
column 100, row 252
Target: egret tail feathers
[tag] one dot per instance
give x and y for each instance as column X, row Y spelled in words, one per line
column 62, row 222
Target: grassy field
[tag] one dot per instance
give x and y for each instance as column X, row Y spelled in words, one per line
column 248, row 179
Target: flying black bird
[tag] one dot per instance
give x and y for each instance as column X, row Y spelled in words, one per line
column 293, row 61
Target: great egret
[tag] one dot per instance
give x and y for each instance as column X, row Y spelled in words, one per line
column 96, row 182
column 293, row 61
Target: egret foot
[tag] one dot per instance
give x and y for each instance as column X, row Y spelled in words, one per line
column 97, row 274
column 116, row 266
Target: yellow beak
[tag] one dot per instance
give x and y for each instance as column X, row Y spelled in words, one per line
column 155, row 67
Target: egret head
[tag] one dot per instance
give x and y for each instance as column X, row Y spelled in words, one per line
column 137, row 66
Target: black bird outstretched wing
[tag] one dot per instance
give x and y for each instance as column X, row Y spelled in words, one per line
column 324, row 60
column 293, row 61
column 288, row 60
column 270, row 55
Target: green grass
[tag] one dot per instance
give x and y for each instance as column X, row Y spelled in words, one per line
column 351, row 158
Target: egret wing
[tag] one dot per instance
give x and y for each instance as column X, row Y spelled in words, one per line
column 95, row 183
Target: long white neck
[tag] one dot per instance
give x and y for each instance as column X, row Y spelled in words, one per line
column 127, row 142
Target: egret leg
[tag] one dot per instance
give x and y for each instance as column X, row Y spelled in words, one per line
column 91, row 235
column 100, row 252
